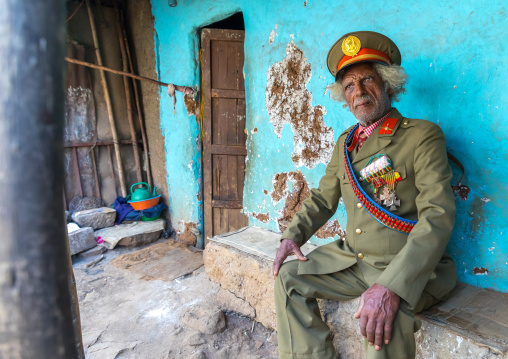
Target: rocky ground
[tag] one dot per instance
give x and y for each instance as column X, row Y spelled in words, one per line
column 127, row 315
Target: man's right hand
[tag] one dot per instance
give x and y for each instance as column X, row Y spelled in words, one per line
column 287, row 248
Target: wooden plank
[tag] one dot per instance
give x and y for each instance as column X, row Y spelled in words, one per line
column 216, row 221
column 207, row 132
column 225, row 35
column 229, row 150
column 232, row 189
column 232, row 124
column 224, row 220
column 98, row 143
column 216, row 168
column 240, row 176
column 97, row 190
column 219, row 78
column 241, row 118
column 223, row 93
column 224, row 182
column 76, row 169
column 218, row 203
column 233, row 217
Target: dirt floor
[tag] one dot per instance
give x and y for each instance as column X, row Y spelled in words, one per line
column 125, row 314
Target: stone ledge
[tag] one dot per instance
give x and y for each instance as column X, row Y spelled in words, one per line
column 471, row 324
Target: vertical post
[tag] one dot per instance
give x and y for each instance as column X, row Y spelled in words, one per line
column 107, row 98
column 35, row 303
column 128, row 97
column 138, row 106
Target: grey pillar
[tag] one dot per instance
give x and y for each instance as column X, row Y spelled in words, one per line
column 35, row 303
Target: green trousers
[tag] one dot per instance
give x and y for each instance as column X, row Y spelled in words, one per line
column 303, row 334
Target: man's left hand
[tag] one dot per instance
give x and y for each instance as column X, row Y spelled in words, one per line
column 377, row 309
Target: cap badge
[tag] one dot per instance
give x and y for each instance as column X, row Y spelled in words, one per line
column 351, row 45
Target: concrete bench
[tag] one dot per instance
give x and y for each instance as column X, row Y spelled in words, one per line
column 473, row 323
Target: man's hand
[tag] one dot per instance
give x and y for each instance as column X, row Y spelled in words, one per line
column 287, row 248
column 377, row 309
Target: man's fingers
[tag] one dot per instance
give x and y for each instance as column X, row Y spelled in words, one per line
column 363, row 325
column 388, row 330
column 359, row 309
column 378, row 341
column 300, row 255
column 371, row 330
column 275, row 267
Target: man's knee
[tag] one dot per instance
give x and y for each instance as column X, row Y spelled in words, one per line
column 287, row 271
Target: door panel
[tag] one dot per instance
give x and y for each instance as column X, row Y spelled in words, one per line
column 224, row 134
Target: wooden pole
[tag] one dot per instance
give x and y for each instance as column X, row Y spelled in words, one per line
column 108, row 101
column 138, row 108
column 36, row 304
column 128, row 96
column 185, row 89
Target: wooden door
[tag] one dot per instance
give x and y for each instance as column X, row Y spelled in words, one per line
column 224, row 135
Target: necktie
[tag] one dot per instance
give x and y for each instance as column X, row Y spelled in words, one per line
column 361, row 139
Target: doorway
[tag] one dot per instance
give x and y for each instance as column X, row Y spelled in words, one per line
column 224, row 136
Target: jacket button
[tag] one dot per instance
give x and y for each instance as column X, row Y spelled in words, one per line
column 342, row 177
column 406, row 122
column 343, row 239
column 358, row 231
column 359, row 205
column 360, row 255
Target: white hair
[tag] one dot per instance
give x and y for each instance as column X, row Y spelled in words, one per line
column 393, row 76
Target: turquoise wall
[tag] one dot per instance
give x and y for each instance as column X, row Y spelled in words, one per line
column 457, row 60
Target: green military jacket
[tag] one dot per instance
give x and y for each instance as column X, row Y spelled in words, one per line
column 405, row 264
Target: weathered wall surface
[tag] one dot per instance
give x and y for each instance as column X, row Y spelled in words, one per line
column 79, row 34
column 141, row 34
column 457, row 63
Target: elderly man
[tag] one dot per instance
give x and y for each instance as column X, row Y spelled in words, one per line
column 393, row 175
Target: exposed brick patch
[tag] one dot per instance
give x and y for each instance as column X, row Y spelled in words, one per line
column 188, row 236
column 289, row 102
column 299, row 193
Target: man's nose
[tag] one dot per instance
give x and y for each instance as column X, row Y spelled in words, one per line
column 359, row 89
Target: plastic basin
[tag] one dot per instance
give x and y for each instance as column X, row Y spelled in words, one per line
column 147, row 203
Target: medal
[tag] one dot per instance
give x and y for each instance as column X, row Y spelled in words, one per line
column 379, row 173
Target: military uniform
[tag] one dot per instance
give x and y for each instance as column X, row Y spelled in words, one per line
column 414, row 266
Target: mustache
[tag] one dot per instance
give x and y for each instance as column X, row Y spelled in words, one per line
column 361, row 99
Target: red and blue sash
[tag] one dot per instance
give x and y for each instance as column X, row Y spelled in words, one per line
column 379, row 213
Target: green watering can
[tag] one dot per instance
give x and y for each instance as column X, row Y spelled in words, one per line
column 140, row 194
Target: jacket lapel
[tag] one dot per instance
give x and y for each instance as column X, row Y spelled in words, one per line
column 376, row 141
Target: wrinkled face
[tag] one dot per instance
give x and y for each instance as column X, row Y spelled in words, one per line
column 365, row 93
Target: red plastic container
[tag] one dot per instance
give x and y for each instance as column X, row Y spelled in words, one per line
column 147, row 203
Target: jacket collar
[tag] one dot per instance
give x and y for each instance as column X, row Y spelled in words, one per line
column 380, row 138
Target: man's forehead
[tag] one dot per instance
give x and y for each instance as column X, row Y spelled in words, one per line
column 359, row 70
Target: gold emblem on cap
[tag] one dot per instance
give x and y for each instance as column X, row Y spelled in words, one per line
column 351, row 45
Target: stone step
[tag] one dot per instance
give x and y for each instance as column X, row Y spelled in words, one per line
column 96, row 218
column 82, row 239
column 473, row 323
column 131, row 235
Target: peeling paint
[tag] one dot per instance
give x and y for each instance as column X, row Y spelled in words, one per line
column 289, row 102
column 480, row 271
column 262, row 217
column 192, row 106
column 255, row 130
column 189, row 234
column 330, row 230
column 462, row 190
column 299, row 192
